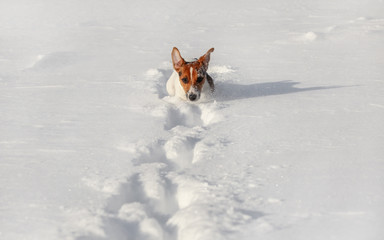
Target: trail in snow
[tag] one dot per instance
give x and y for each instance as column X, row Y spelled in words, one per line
column 160, row 201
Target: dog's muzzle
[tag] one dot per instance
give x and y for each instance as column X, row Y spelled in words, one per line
column 193, row 94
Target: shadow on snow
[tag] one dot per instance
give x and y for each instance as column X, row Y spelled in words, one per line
column 232, row 91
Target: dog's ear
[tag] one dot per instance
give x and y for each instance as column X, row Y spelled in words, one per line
column 177, row 60
column 205, row 58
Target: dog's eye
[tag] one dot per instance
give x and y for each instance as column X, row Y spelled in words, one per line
column 185, row 80
column 199, row 79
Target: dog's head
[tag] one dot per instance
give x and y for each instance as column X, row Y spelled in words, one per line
column 192, row 75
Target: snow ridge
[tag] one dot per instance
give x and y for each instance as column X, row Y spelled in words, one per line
column 160, row 201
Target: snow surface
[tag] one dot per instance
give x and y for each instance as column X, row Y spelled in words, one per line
column 290, row 148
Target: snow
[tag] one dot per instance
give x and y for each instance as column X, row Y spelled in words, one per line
column 290, row 146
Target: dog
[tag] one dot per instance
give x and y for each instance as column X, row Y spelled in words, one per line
column 189, row 79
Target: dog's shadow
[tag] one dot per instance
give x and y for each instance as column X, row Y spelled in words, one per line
column 231, row 91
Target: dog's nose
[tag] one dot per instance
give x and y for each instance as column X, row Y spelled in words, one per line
column 192, row 97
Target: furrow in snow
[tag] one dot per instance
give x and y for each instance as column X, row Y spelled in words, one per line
column 150, row 197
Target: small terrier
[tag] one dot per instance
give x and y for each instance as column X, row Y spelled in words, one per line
column 188, row 78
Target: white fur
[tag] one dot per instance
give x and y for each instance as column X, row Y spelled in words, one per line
column 191, row 71
column 174, row 87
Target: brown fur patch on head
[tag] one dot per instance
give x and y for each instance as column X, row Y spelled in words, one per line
column 189, row 75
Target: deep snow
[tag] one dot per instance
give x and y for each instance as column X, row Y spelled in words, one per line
column 289, row 148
